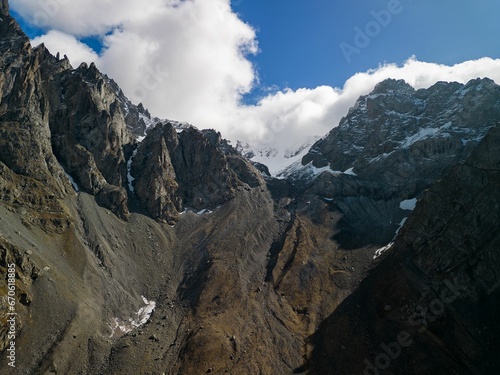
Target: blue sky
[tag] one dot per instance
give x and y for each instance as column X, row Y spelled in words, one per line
column 300, row 40
column 272, row 73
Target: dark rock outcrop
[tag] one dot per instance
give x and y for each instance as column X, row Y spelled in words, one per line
column 31, row 178
column 175, row 169
column 46, row 107
column 392, row 145
column 156, row 185
column 4, row 7
column 86, row 112
column 89, row 130
column 397, row 133
column 202, row 170
column 25, row 141
column 54, row 114
column 437, row 290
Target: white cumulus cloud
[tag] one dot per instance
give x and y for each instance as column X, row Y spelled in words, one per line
column 86, row 17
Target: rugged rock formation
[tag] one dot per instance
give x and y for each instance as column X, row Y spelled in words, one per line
column 156, row 185
column 4, row 7
column 86, row 113
column 93, row 128
column 26, row 138
column 437, row 290
column 392, row 145
column 409, row 133
column 184, row 169
column 221, row 269
column 31, row 179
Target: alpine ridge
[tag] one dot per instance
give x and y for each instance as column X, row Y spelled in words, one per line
column 147, row 246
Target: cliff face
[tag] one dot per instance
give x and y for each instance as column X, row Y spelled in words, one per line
column 187, row 260
column 4, row 7
column 30, row 176
column 396, row 133
column 432, row 305
column 391, row 146
column 180, row 168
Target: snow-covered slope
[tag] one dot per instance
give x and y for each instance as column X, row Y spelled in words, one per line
column 277, row 160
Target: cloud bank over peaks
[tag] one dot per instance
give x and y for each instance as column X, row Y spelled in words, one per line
column 188, row 60
column 283, row 121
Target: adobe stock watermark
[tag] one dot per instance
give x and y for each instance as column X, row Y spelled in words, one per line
column 363, row 36
column 11, row 315
column 151, row 80
column 48, row 9
column 421, row 317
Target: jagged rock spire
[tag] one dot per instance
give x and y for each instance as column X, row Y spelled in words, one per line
column 4, row 7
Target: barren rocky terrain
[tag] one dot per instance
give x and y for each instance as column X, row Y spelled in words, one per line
column 143, row 246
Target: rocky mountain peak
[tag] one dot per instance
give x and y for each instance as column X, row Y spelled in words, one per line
column 176, row 169
column 90, row 72
column 92, row 129
column 392, row 85
column 395, row 143
column 481, row 83
column 49, row 63
column 395, row 117
column 13, row 39
column 4, row 7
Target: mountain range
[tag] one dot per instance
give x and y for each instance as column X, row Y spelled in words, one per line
column 147, row 246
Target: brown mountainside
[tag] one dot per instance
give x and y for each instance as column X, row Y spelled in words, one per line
column 173, row 254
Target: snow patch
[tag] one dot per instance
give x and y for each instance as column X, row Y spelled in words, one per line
column 422, row 134
column 380, row 157
column 144, row 313
column 309, row 171
column 204, row 211
column 382, row 250
column 72, row 180
column 277, row 160
column 477, row 139
column 350, row 172
column 141, row 318
column 149, row 122
column 400, row 226
column 318, row 171
column 180, row 126
column 126, row 109
column 427, row 133
column 430, row 132
column 408, row 205
column 305, row 172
